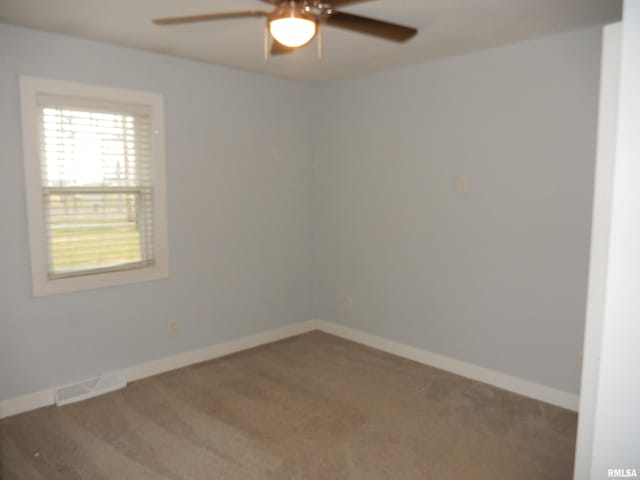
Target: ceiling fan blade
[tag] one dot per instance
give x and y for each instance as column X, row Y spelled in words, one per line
column 279, row 49
column 371, row 26
column 209, row 16
column 332, row 3
column 342, row 3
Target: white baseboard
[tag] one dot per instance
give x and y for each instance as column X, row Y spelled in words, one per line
column 24, row 403
column 492, row 377
column 43, row 398
column 185, row 359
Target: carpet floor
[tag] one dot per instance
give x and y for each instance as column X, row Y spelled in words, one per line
column 309, row 407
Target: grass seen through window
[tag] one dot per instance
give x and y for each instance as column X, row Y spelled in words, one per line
column 91, row 231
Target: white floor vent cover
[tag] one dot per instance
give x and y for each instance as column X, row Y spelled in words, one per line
column 90, row 388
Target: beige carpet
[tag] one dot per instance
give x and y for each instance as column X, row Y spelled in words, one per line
column 309, row 407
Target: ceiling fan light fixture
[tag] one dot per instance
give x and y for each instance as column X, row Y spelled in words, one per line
column 291, row 26
column 294, row 23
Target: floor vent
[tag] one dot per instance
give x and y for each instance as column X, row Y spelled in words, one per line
column 90, row 388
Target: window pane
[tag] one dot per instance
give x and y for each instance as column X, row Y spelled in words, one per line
column 96, row 177
column 96, row 230
column 81, row 148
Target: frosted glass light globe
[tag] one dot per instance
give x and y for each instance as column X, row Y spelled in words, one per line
column 292, row 31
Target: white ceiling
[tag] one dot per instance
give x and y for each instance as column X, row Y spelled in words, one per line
column 446, row 27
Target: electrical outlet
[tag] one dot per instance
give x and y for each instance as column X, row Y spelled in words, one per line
column 348, row 304
column 173, row 328
column 461, row 185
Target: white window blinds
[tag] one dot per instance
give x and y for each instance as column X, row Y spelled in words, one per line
column 97, row 185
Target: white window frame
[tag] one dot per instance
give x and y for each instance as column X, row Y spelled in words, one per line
column 30, row 88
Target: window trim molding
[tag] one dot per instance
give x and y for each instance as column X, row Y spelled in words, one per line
column 30, row 88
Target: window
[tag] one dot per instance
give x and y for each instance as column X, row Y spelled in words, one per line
column 94, row 165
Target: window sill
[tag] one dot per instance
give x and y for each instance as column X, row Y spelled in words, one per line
column 45, row 286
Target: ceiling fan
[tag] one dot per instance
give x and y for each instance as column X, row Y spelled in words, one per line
column 294, row 23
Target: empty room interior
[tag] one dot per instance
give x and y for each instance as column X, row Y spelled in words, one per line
column 305, row 239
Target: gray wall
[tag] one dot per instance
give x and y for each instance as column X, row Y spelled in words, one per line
column 268, row 228
column 239, row 223
column 495, row 276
